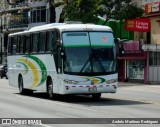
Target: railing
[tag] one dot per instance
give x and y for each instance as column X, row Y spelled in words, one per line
column 151, row 47
column 17, row 26
column 22, row 4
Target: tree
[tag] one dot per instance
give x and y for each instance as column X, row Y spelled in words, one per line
column 52, row 6
column 14, row 2
column 82, row 10
column 89, row 10
column 121, row 9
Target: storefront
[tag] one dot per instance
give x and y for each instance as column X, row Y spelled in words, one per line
column 132, row 60
column 132, row 67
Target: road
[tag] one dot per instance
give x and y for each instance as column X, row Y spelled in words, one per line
column 133, row 101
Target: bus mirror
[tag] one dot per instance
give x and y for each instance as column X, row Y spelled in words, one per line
column 62, row 53
column 116, row 40
column 58, row 43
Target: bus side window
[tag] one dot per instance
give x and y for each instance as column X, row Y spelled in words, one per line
column 10, row 43
column 21, row 44
column 27, row 37
column 14, row 45
column 31, row 44
column 50, row 41
column 24, row 43
column 42, row 42
column 35, row 42
column 17, row 44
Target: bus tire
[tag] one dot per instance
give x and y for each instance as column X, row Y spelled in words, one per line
column 50, row 89
column 22, row 91
column 96, row 96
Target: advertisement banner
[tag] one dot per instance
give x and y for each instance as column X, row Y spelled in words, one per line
column 138, row 24
column 152, row 7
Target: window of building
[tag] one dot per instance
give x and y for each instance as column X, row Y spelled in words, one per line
column 38, row 14
column 154, row 58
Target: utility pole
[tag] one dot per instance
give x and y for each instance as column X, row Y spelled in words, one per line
column 1, row 39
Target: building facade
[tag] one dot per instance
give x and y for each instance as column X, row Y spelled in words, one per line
column 138, row 52
column 20, row 16
column 142, row 64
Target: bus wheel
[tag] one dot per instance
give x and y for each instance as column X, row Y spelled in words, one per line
column 50, row 89
column 96, row 96
column 20, row 84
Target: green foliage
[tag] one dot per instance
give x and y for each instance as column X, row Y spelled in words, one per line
column 87, row 11
column 81, row 10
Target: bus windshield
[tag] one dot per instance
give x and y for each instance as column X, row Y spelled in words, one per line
column 89, row 52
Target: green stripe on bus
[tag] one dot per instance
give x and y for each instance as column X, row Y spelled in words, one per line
column 42, row 67
column 102, row 79
column 72, row 46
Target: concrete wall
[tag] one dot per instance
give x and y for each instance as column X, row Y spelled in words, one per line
column 154, row 74
column 155, row 30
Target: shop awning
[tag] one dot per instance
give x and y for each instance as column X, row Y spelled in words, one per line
column 134, row 56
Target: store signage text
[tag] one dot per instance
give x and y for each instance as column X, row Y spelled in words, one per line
column 138, row 24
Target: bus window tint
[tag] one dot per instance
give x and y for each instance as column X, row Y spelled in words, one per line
column 27, row 37
column 21, row 45
column 10, row 45
column 35, row 42
column 50, row 41
column 14, row 45
column 24, row 43
column 17, row 44
column 42, row 42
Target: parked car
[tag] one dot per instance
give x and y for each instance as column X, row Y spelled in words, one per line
column 3, row 71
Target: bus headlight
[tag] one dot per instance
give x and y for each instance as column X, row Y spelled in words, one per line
column 111, row 81
column 70, row 81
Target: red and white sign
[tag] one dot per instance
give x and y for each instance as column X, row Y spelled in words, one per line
column 131, row 46
column 152, row 7
column 138, row 24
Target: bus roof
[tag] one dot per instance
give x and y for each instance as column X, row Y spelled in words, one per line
column 65, row 27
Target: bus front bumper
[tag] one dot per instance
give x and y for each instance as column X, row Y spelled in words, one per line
column 90, row 89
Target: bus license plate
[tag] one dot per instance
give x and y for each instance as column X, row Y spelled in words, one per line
column 92, row 89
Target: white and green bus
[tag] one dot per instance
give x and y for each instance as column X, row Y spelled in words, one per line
column 61, row 58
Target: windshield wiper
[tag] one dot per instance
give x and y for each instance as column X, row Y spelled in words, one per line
column 97, row 59
column 85, row 65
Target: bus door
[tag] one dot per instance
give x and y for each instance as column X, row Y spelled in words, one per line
column 58, row 62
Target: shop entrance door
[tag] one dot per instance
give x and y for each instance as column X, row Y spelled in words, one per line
column 135, row 69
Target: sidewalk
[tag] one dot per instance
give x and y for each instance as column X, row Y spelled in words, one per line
column 125, row 84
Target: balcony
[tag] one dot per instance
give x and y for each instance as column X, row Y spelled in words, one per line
column 151, row 47
column 38, row 3
column 21, row 5
column 17, row 25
